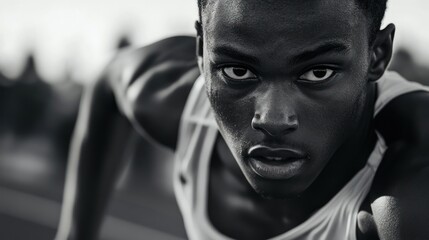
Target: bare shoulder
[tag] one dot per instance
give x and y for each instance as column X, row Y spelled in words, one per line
column 151, row 85
column 400, row 190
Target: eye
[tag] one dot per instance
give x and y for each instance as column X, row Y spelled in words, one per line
column 238, row 73
column 317, row 74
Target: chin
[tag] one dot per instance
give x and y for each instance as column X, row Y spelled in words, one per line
column 277, row 189
column 276, row 194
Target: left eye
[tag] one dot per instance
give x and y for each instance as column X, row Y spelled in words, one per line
column 317, row 74
column 238, row 73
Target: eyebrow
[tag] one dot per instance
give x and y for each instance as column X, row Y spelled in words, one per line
column 306, row 55
column 326, row 47
column 236, row 54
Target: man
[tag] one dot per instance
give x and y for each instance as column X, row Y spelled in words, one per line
column 296, row 91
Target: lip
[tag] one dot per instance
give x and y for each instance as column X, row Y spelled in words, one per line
column 276, row 163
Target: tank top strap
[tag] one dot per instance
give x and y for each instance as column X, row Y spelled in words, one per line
column 197, row 134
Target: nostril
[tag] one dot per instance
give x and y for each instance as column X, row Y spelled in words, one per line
column 256, row 122
column 275, row 127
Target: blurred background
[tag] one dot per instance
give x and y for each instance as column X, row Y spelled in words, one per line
column 50, row 49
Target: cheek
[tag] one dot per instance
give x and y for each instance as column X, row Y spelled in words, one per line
column 338, row 112
column 332, row 117
column 233, row 113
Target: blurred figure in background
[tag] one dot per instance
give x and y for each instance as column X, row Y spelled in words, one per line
column 37, row 111
column 31, row 107
column 36, row 122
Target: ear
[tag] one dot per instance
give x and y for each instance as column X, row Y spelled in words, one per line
column 381, row 52
column 199, row 44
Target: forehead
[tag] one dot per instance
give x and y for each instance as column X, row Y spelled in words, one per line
column 274, row 23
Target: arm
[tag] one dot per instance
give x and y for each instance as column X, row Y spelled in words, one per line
column 401, row 189
column 145, row 90
column 92, row 170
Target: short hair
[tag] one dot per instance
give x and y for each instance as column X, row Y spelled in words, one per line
column 373, row 9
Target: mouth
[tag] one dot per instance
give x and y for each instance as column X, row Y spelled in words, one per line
column 276, row 163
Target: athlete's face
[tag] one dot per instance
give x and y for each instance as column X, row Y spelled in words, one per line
column 287, row 81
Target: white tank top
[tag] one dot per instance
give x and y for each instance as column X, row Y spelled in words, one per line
column 197, row 134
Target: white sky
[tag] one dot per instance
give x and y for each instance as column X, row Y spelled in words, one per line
column 81, row 34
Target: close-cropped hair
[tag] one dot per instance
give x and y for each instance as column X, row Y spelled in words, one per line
column 373, row 9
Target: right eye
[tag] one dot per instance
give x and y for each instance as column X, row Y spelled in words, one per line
column 238, row 73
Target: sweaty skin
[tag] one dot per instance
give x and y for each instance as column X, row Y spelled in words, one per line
column 324, row 121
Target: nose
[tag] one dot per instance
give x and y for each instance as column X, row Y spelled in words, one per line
column 275, row 114
column 275, row 126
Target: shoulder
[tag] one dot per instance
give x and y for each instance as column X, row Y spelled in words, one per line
column 151, row 85
column 130, row 65
column 405, row 118
column 401, row 187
